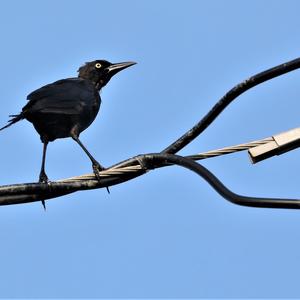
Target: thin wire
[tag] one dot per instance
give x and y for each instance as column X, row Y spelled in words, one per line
column 204, row 155
column 230, row 149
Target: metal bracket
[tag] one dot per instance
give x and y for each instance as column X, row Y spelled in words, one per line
column 281, row 143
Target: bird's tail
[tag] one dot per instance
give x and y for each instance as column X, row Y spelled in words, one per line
column 14, row 119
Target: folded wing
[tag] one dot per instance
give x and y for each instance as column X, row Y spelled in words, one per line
column 64, row 97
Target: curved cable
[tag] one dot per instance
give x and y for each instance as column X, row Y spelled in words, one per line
column 218, row 185
column 227, row 99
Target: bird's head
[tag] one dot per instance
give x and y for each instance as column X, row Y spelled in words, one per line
column 101, row 71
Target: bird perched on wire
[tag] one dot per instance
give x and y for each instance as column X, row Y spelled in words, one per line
column 66, row 107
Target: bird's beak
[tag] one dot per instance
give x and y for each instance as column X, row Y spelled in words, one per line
column 115, row 68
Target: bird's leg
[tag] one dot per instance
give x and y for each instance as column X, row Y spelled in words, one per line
column 43, row 178
column 97, row 168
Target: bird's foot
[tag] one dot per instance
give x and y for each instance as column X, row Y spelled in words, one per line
column 44, row 179
column 97, row 168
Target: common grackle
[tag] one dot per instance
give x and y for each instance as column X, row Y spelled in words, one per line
column 66, row 107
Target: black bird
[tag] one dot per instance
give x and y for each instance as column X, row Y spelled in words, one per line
column 66, row 107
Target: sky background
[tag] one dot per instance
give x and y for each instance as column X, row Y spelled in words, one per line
column 165, row 234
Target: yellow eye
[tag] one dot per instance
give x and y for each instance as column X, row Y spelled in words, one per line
column 98, row 65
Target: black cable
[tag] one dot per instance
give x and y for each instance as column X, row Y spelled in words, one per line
column 153, row 159
column 227, row 99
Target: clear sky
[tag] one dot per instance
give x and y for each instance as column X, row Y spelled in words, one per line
column 166, row 234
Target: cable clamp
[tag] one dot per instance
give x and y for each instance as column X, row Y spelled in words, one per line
column 280, row 143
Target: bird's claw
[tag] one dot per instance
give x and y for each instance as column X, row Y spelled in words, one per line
column 44, row 179
column 97, row 168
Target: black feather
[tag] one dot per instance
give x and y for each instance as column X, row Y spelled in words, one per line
column 14, row 119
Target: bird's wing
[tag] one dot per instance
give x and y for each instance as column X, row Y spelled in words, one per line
column 66, row 96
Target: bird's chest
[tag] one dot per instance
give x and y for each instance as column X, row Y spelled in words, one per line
column 96, row 104
column 89, row 110
column 92, row 106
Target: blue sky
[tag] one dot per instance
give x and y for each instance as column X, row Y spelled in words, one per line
column 165, row 234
